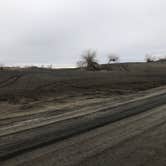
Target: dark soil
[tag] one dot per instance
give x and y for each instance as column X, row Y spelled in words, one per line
column 34, row 84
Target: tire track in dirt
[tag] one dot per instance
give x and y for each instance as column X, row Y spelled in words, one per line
column 21, row 142
column 9, row 81
column 82, row 147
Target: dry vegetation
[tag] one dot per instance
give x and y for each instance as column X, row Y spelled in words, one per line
column 89, row 61
column 35, row 83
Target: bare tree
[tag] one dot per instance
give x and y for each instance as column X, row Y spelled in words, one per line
column 89, row 61
column 150, row 58
column 113, row 58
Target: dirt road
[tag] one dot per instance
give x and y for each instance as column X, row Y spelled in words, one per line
column 131, row 133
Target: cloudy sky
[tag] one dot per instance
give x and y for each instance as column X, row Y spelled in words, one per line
column 58, row 31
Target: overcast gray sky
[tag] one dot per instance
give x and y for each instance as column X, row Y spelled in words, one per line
column 57, row 31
